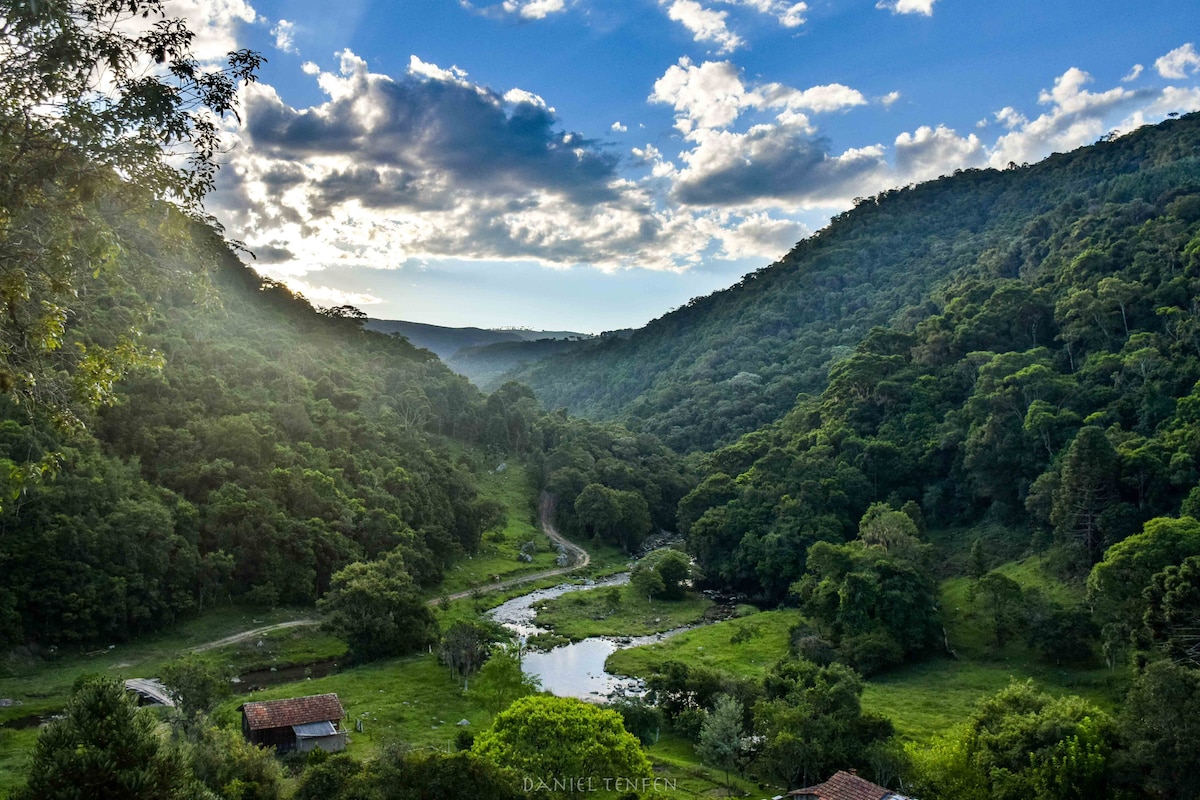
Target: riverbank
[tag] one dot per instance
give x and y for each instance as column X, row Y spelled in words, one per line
column 615, row 611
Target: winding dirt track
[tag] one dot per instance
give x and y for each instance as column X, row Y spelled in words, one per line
column 580, row 558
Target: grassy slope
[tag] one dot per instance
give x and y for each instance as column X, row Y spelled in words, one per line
column 762, row 641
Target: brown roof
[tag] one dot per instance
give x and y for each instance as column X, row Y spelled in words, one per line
column 293, row 711
column 845, row 786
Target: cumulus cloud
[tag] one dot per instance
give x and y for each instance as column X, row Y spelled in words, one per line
column 769, row 164
column 330, row 296
column 1134, row 73
column 214, row 22
column 789, row 15
column 932, row 152
column 1176, row 64
column 285, row 36
column 1076, row 116
column 759, row 234
column 889, row 99
column 705, row 24
column 521, row 9
column 712, row 95
column 434, row 165
column 924, row 7
column 617, row 127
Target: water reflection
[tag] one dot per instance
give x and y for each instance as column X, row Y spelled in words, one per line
column 576, row 669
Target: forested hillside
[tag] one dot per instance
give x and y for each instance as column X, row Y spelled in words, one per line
column 1050, row 384
column 731, row 362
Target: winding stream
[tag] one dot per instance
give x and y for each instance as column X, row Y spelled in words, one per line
column 576, row 669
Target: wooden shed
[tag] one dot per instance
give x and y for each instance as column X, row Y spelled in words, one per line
column 297, row 723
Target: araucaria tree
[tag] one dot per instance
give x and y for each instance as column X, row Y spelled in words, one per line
column 1085, row 491
column 105, row 747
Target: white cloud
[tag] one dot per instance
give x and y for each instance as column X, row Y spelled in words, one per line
column 329, row 296
column 1134, row 73
column 1176, row 64
column 789, row 15
column 753, row 235
column 712, row 95
column 924, row 7
column 521, row 9
column 1010, row 118
column 534, row 9
column 434, row 166
column 617, row 127
column 932, row 152
column 889, row 99
column 285, row 36
column 1075, row 117
column 214, row 22
column 818, row 99
column 517, row 96
column 426, row 70
column 705, row 24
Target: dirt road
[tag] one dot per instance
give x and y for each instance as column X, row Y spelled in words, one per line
column 579, row 558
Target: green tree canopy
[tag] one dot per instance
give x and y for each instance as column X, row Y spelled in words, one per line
column 376, row 609
column 1022, row 743
column 501, row 681
column 82, row 117
column 662, row 573
column 547, row 739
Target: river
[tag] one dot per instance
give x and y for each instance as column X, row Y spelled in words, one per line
column 576, row 669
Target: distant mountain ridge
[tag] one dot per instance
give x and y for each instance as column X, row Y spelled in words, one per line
column 446, row 342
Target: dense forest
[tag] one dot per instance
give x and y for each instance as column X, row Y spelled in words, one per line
column 1052, row 381
column 731, row 362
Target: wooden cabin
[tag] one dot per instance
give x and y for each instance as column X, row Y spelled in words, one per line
column 297, row 723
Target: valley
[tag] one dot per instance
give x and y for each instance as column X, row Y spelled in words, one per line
column 915, row 508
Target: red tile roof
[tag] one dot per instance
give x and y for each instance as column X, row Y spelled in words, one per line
column 844, row 786
column 293, row 711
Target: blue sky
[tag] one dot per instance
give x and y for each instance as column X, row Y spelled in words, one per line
column 591, row 164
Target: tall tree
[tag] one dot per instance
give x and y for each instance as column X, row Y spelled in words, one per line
column 376, row 609
column 501, row 681
column 1086, row 490
column 1161, row 725
column 465, row 647
column 721, row 736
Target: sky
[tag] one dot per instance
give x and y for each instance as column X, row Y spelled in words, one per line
column 590, row 165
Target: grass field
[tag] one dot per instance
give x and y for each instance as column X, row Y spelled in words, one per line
column 927, row 699
column 618, row 611
column 748, row 646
